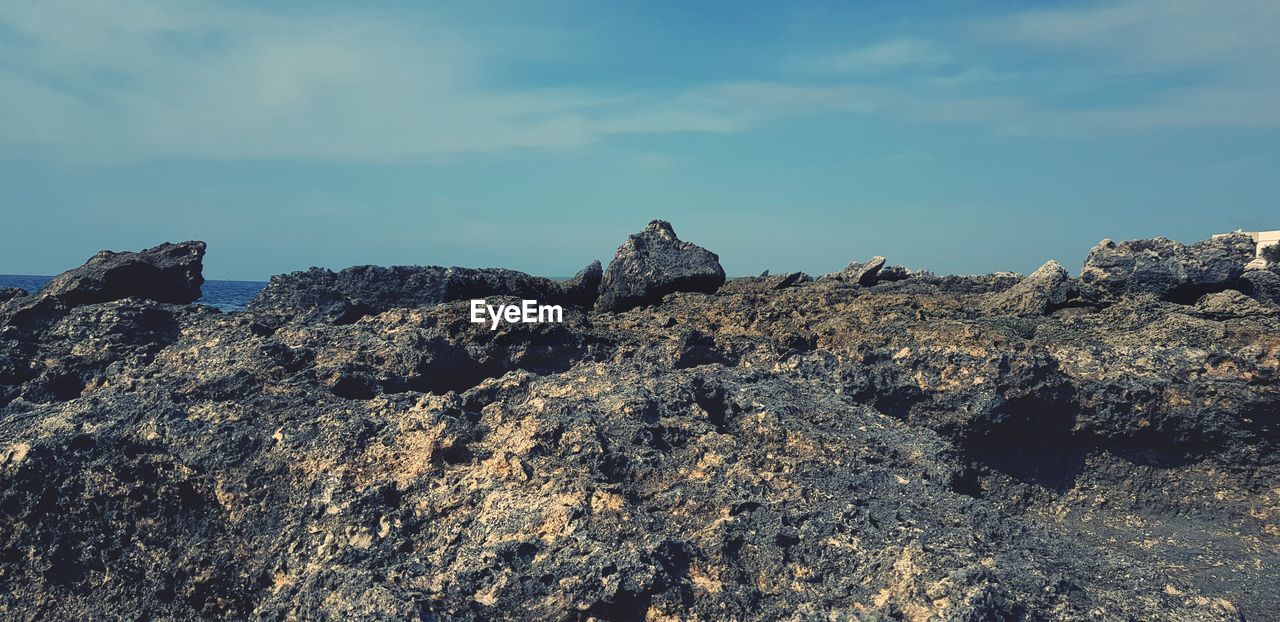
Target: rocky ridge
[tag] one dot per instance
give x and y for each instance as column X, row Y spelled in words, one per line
column 906, row 448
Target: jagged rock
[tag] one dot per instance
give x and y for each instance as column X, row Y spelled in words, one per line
column 1170, row 270
column 1261, row 285
column 166, row 273
column 584, row 287
column 1044, row 290
column 1228, row 304
column 893, row 273
column 820, row 451
column 765, row 282
column 654, row 263
column 862, row 273
column 346, row 296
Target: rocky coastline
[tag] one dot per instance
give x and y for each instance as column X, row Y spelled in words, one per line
column 871, row 444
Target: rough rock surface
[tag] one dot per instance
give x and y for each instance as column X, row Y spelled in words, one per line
column 765, row 282
column 1262, row 285
column 1170, row 270
column 860, row 272
column 1046, row 289
column 820, row 451
column 346, row 296
column 167, row 273
column 654, row 263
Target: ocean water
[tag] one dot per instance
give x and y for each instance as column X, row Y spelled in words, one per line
column 225, row 295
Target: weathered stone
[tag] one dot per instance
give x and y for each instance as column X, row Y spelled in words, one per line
column 862, row 273
column 1228, row 304
column 1044, row 290
column 346, row 296
column 10, row 293
column 583, row 289
column 1168, row 269
column 765, row 282
column 166, row 273
column 654, row 263
column 1261, row 285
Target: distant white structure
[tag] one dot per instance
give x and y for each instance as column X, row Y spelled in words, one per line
column 1263, row 239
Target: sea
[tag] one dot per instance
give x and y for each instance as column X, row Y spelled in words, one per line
column 225, row 295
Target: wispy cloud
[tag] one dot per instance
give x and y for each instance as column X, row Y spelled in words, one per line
column 145, row 79
column 881, row 57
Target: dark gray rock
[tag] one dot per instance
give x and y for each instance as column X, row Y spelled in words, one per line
column 584, row 287
column 862, row 273
column 346, row 296
column 893, row 273
column 1044, row 290
column 166, row 273
column 654, row 263
column 1261, row 285
column 1170, row 270
column 1229, row 304
column 11, row 293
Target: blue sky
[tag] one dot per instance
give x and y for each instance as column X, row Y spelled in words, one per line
column 956, row 136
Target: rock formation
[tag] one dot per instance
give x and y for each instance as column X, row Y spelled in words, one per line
column 1169, row 270
column 901, row 451
column 862, row 273
column 1046, row 289
column 346, row 296
column 167, row 273
column 654, row 263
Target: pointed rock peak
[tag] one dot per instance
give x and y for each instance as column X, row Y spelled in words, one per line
column 661, row 226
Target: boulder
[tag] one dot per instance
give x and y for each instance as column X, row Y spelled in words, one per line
column 166, row 273
column 1261, row 285
column 584, row 287
column 11, row 293
column 893, row 273
column 1044, row 290
column 1168, row 269
column 654, row 263
column 862, row 273
column 343, row 297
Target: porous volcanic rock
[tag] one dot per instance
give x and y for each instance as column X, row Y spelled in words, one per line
column 1168, row 269
column 765, row 282
column 166, row 273
column 820, row 451
column 1261, row 285
column 654, row 263
column 1044, row 290
column 862, row 273
column 346, row 296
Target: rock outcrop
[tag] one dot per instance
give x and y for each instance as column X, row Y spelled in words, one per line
column 860, row 272
column 346, row 296
column 1261, row 285
column 765, row 282
column 902, row 451
column 1046, row 289
column 654, row 263
column 167, row 273
column 1169, row 270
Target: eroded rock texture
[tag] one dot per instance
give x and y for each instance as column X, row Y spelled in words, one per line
column 781, row 449
column 654, row 263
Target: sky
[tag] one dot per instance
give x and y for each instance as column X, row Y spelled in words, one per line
column 957, row 136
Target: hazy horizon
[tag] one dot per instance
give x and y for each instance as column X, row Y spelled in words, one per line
column 956, row 136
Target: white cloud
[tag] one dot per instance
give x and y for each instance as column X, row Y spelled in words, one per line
column 132, row 80
column 882, row 57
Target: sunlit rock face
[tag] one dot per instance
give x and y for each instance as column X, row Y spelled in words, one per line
column 956, row 448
